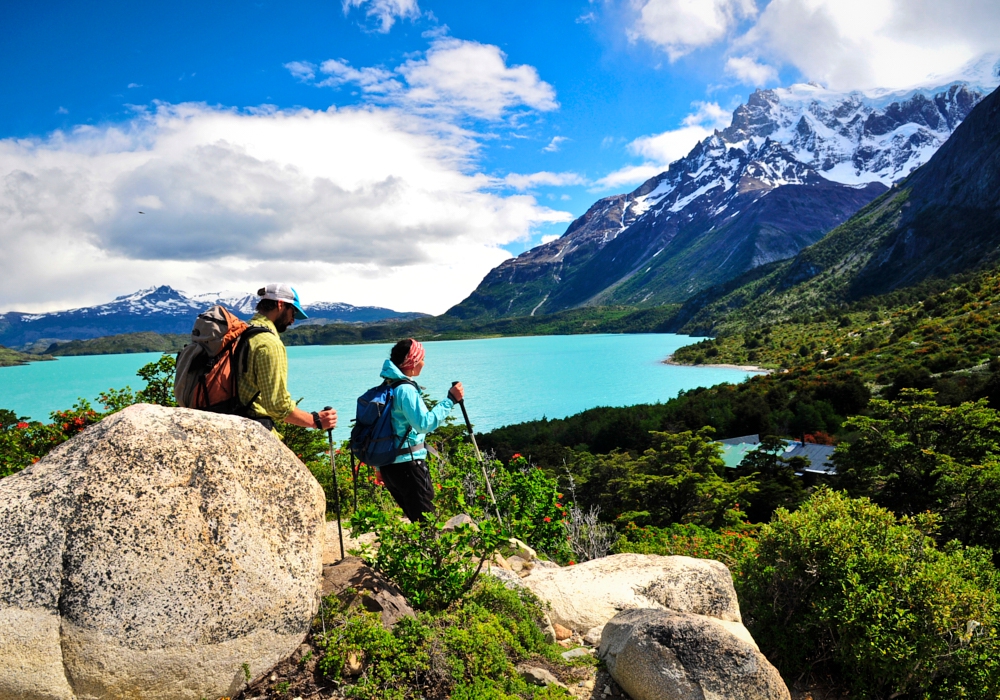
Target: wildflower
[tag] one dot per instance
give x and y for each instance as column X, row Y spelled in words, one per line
column 547, row 519
column 22, row 426
column 516, row 455
column 571, row 562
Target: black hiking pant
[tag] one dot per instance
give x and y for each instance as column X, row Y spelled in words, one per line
column 410, row 486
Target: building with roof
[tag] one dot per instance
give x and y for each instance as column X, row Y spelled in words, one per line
column 820, row 457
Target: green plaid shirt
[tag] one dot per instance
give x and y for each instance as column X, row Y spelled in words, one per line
column 267, row 372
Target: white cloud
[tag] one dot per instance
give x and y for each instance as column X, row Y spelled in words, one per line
column 554, row 144
column 385, row 12
column 300, row 70
column 681, row 26
column 362, row 205
column 370, row 80
column 844, row 44
column 749, row 71
column 531, row 180
column 550, row 238
column 660, row 150
column 62, row 110
column 455, row 78
column 474, row 79
column 134, row 85
column 859, row 44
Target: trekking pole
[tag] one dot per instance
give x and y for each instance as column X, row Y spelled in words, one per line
column 479, row 456
column 336, row 486
column 354, row 478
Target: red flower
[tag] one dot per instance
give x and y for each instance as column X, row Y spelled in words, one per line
column 22, row 426
column 547, row 519
column 516, row 455
column 571, row 562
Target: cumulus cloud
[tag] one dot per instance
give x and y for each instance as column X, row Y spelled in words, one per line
column 454, row 78
column 527, row 182
column 859, row 44
column 749, row 71
column 844, row 44
column 385, row 12
column 660, row 150
column 300, row 70
column 554, row 144
column 360, row 205
column 681, row 26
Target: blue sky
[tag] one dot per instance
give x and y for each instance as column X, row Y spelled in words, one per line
column 385, row 151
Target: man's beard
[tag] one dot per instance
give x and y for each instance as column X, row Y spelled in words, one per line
column 282, row 324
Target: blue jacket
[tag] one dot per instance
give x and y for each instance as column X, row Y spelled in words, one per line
column 409, row 411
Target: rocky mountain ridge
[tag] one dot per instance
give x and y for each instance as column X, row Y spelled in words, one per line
column 161, row 309
column 941, row 220
column 793, row 164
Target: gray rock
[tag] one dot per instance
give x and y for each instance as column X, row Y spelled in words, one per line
column 367, row 589
column 508, row 577
column 546, row 564
column 460, row 519
column 666, row 655
column 153, row 555
column 593, row 636
column 587, row 595
column 515, row 563
column 576, row 653
column 538, row 676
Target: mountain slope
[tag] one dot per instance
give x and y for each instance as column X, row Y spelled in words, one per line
column 162, row 310
column 793, row 164
column 943, row 219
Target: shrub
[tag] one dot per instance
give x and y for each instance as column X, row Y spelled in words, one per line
column 433, row 568
column 844, row 587
column 730, row 545
column 467, row 651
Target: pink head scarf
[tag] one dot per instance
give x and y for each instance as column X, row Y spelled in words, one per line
column 414, row 357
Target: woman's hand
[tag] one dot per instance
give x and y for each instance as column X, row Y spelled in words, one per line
column 456, row 393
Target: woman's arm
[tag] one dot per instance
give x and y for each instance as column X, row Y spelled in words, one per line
column 415, row 411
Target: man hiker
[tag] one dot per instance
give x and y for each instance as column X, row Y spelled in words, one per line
column 266, row 377
column 407, row 478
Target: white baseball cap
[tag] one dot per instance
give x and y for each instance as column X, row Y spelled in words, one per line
column 285, row 293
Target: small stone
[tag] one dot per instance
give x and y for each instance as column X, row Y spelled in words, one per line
column 546, row 564
column 538, row 676
column 354, row 665
column 576, row 653
column 516, row 547
column 500, row 561
column 460, row 519
column 274, row 677
column 562, row 632
column 564, row 643
column 593, row 636
column 516, row 563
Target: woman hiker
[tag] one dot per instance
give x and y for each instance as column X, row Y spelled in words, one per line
column 408, row 478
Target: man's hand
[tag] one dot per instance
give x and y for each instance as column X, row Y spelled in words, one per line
column 328, row 419
column 456, row 393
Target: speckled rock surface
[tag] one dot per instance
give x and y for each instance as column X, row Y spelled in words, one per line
column 153, row 555
column 666, row 655
column 587, row 595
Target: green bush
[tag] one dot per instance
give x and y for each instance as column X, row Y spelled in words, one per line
column 467, row 651
column 842, row 587
column 913, row 455
column 730, row 545
column 432, row 567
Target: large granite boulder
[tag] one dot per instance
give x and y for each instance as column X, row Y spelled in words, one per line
column 163, row 553
column 667, row 655
column 585, row 596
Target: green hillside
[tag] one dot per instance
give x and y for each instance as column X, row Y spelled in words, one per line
column 9, row 358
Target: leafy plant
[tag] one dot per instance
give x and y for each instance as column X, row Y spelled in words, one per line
column 844, row 587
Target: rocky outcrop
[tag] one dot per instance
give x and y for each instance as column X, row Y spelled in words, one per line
column 163, row 553
column 357, row 585
column 667, row 655
column 587, row 595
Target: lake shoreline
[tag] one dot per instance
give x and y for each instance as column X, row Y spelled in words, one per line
column 743, row 368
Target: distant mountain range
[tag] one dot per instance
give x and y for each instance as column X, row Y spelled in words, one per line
column 794, row 164
column 941, row 220
column 163, row 310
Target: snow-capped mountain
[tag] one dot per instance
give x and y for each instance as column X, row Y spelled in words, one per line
column 793, row 164
column 163, row 310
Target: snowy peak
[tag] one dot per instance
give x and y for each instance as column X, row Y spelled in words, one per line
column 854, row 138
column 162, row 309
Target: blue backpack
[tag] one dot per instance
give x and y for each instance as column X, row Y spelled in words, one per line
column 372, row 439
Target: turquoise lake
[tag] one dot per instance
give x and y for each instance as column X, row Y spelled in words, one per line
column 507, row 380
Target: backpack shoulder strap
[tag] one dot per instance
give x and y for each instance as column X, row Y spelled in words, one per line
column 241, row 360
